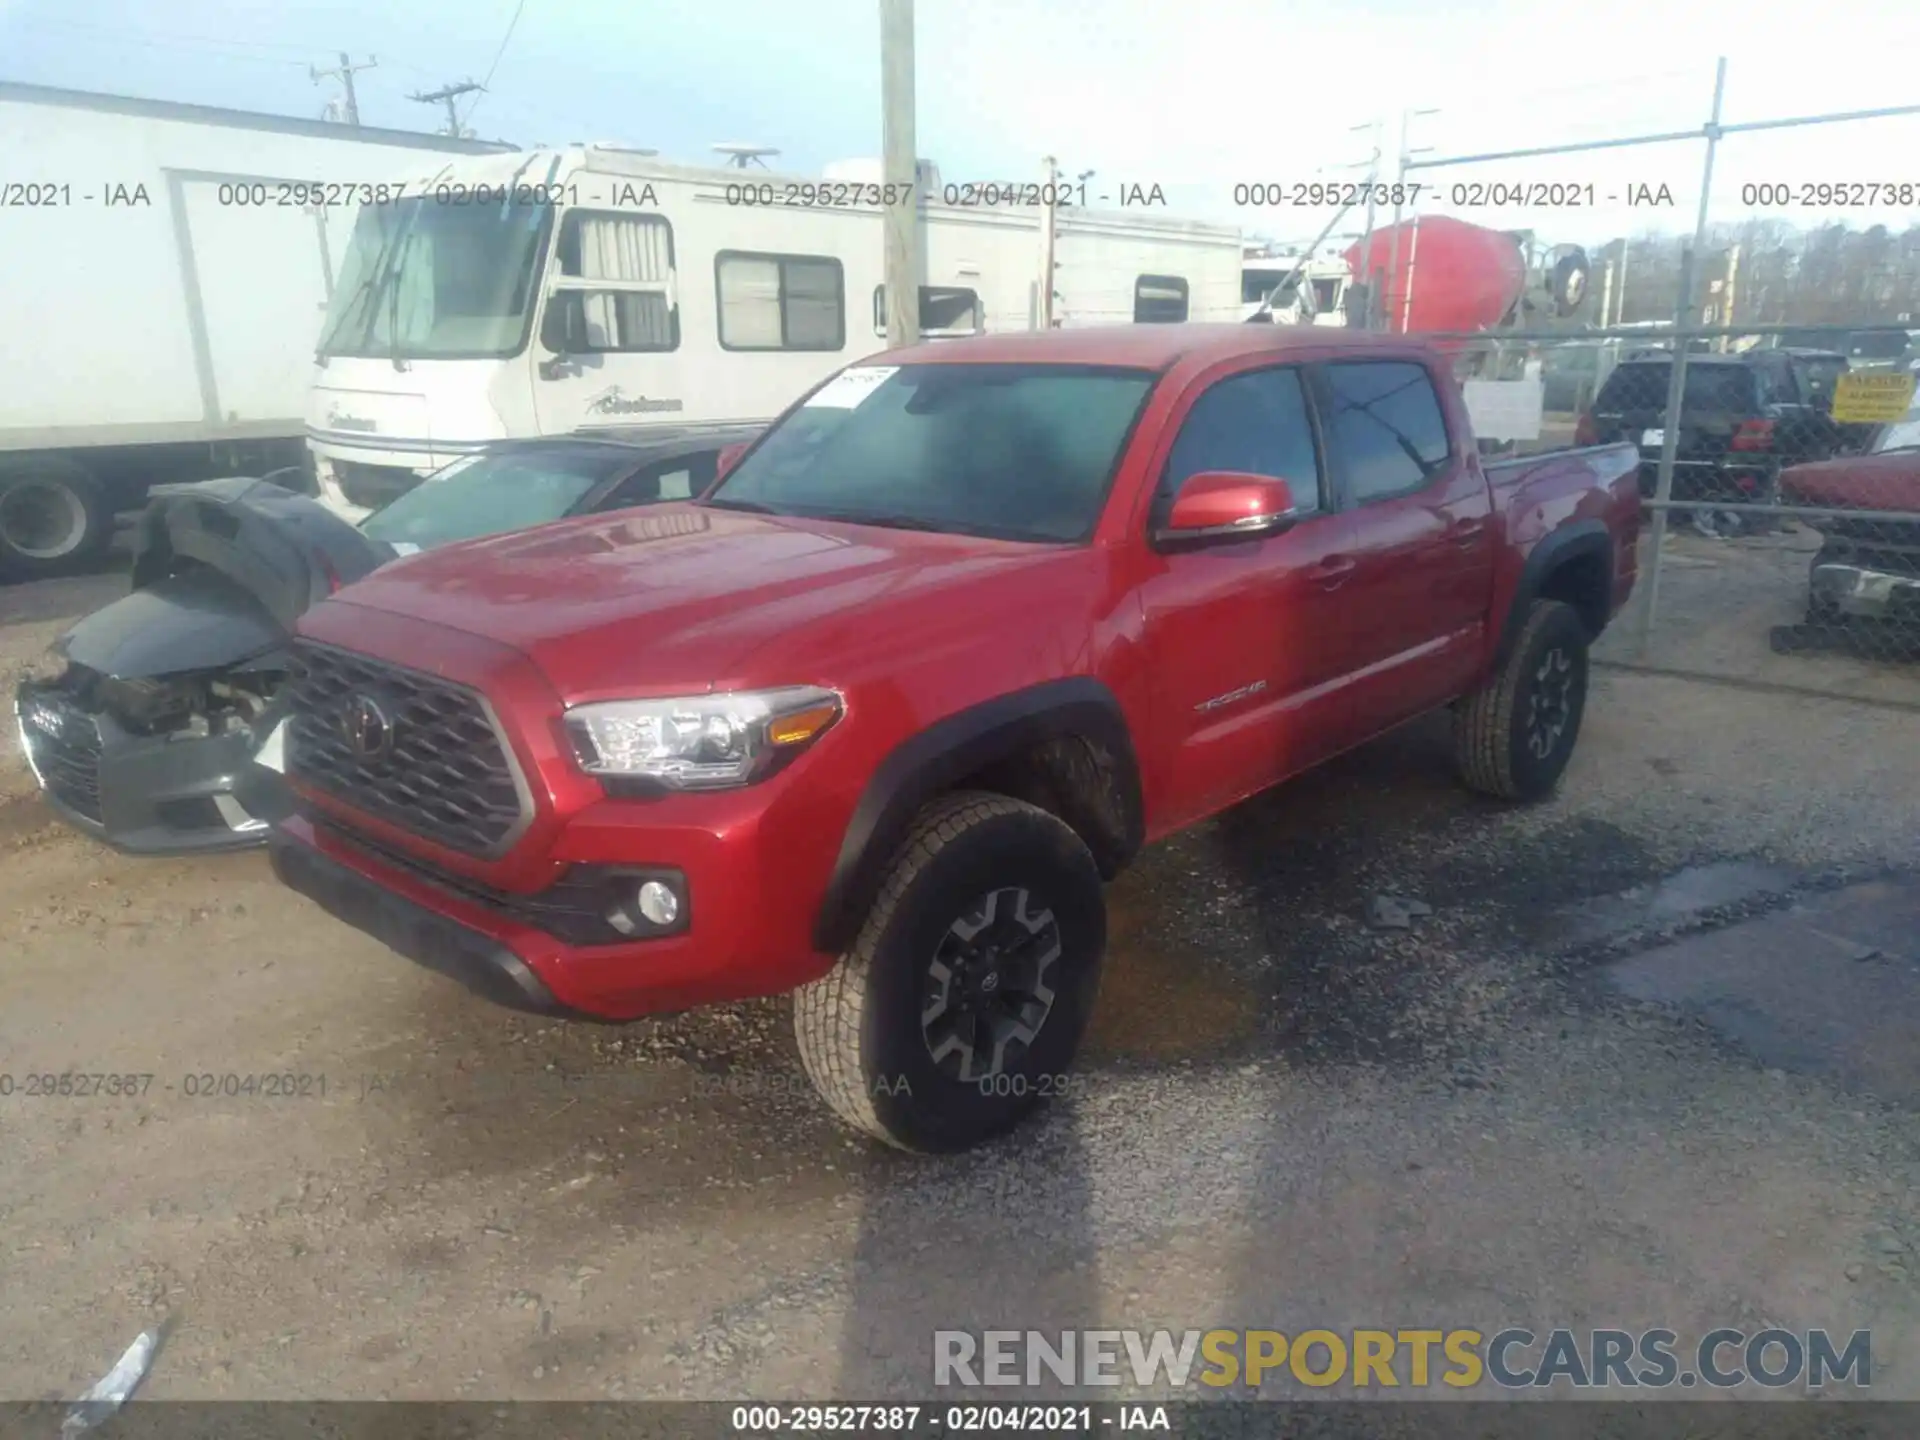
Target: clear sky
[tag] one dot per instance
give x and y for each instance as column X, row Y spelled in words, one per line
column 1195, row 96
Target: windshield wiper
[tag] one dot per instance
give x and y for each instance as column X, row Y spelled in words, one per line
column 890, row 522
column 751, row 507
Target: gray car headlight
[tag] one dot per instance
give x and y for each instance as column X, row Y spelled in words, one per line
column 699, row 742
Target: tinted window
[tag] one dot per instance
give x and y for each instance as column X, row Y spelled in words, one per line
column 1253, row 423
column 1019, row 451
column 1387, row 425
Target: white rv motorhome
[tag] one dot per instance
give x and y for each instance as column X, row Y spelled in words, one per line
column 536, row 292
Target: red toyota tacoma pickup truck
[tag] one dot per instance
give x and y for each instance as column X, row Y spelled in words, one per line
column 874, row 719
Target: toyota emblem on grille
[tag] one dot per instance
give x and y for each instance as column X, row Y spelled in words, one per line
column 368, row 730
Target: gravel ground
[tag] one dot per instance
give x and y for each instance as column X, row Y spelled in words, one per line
column 1287, row 1117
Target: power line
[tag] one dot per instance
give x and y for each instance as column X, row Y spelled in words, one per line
column 511, row 24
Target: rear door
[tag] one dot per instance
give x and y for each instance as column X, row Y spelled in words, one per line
column 1245, row 636
column 1415, row 615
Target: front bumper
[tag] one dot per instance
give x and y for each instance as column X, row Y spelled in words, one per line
column 1865, row 593
column 147, row 795
column 503, row 947
column 481, row 962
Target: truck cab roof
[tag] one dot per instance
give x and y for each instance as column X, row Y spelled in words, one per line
column 1142, row 347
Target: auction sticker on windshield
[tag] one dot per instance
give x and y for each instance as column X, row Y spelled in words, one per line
column 850, row 387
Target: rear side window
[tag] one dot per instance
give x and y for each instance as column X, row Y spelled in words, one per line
column 1386, row 424
column 1254, row 423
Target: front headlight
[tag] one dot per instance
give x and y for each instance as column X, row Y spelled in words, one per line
column 699, row 742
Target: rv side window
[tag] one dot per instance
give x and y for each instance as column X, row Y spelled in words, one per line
column 780, row 302
column 1159, row 300
column 944, row 310
column 613, row 286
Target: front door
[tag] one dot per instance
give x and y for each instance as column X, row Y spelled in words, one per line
column 1245, row 636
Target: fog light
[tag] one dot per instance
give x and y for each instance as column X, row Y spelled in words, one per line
column 658, row 903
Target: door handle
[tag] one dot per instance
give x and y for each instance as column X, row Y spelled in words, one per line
column 1466, row 532
column 1332, row 572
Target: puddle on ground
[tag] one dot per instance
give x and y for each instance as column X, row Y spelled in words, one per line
column 1681, row 896
column 1830, row 986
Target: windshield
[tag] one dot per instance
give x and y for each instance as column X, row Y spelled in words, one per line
column 423, row 279
column 490, row 494
column 1023, row 452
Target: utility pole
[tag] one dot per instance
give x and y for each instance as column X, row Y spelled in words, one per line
column 446, row 95
column 345, row 76
column 1368, row 267
column 1050, row 174
column 900, row 173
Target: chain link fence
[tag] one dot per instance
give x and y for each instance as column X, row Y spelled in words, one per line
column 1787, row 467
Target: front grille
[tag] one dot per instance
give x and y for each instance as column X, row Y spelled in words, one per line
column 445, row 773
column 65, row 743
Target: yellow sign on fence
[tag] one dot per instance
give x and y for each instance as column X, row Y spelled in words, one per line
column 1873, row 397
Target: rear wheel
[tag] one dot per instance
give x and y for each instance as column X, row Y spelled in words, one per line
column 961, row 1004
column 53, row 515
column 1514, row 735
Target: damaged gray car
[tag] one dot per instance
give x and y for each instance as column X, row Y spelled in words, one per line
column 142, row 722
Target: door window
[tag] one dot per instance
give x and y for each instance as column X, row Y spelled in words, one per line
column 613, row 291
column 1386, row 425
column 1255, row 423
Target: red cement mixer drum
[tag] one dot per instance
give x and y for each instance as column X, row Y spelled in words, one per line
column 1464, row 277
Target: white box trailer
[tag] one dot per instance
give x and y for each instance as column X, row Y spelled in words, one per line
column 166, row 270
column 532, row 293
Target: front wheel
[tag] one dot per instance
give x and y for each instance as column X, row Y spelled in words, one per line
column 1514, row 735
column 961, row 1004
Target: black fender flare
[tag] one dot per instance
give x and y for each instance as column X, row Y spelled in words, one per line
column 1572, row 541
column 962, row 744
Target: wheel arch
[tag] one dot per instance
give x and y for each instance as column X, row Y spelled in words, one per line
column 1573, row 564
column 1063, row 745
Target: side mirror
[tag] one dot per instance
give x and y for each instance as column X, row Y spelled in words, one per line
column 728, row 458
column 1227, row 505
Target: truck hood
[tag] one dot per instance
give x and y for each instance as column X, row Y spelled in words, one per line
column 681, row 598
column 1889, row 481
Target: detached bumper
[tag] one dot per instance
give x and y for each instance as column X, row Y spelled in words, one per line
column 142, row 794
column 1869, row 594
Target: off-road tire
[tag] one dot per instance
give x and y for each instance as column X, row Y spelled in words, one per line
column 66, row 484
column 1491, row 726
column 859, row 1026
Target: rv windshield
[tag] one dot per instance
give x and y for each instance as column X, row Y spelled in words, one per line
column 426, row 280
column 1017, row 452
